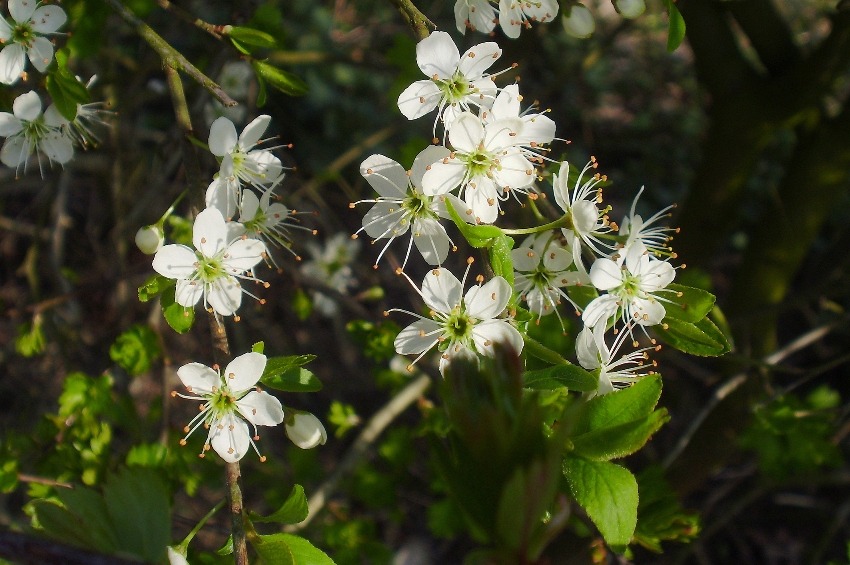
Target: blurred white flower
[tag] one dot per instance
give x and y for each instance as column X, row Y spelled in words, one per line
column 630, row 8
column 230, row 401
column 331, row 266
column 578, row 21
column 28, row 131
column 516, row 14
column 476, row 15
column 23, row 37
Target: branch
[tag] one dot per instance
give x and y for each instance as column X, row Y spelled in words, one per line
column 212, row 29
column 768, row 32
column 417, row 21
column 169, row 55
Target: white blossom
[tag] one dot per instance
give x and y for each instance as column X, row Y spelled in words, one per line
column 402, row 206
column 460, row 325
column 212, row 270
column 516, row 14
column 28, row 131
column 331, row 266
column 305, row 430
column 230, row 401
column 594, row 355
column 654, row 237
column 578, row 21
column 476, row 15
column 24, row 37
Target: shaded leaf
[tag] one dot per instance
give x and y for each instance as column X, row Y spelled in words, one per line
column 293, row 511
column 561, row 375
column 609, row 495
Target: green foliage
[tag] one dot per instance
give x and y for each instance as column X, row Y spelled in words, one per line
column 8, row 474
column 354, row 540
column 130, row 517
column 703, row 338
column 561, row 375
column 342, row 417
column 179, row 318
column 135, row 350
column 293, row 510
column 31, row 340
column 676, row 29
column 154, row 286
column 287, row 374
column 65, row 89
column 277, row 78
column 301, row 304
column 609, row 495
column 793, row 437
column 689, row 304
column 287, row 549
column 375, row 340
column 660, row 516
column 245, row 38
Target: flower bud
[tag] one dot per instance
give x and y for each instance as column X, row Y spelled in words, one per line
column 578, row 21
column 305, row 430
column 149, row 239
column 630, row 8
column 176, row 555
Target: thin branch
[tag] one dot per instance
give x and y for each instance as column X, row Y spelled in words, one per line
column 212, row 29
column 169, row 55
column 417, row 21
column 736, row 381
column 376, row 425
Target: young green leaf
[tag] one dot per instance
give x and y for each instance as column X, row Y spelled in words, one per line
column 284, row 81
column 561, row 375
column 500, row 257
column 180, row 318
column 676, row 27
column 689, row 305
column 66, row 92
column 478, row 236
column 620, row 407
column 287, row 549
column 154, row 286
column 609, row 495
column 702, row 338
column 287, row 374
column 293, row 511
column 135, row 350
column 621, row 440
column 253, row 37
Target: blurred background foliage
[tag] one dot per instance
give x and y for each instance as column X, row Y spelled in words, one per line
column 746, row 126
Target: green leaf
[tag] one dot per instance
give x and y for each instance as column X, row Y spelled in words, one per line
column 343, row 417
column 284, row 81
column 287, row 374
column 561, row 375
column 178, row 317
column 31, row 340
column 525, row 498
column 154, row 286
column 478, row 236
column 660, row 516
column 702, row 338
column 64, row 88
column 252, row 37
column 137, row 501
column 262, row 92
column 135, row 350
column 609, row 495
column 89, row 514
column 689, row 305
column 621, row 440
column 287, row 549
column 676, row 27
column 620, row 407
column 258, row 347
column 227, row 548
column 293, row 511
column 500, row 258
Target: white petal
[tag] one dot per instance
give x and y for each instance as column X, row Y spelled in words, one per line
column 600, row 309
column 483, row 92
column 646, row 311
column 53, row 118
column 12, row 62
column 586, row 350
column 525, row 259
column 466, row 133
column 244, row 372
column 41, row 53
column 443, row 177
column 15, row 151
column 478, row 14
column 222, row 196
column 510, row 18
column 209, row 232
column 655, row 275
column 175, row 261
column 489, row 332
column 188, row 292
column 260, row 408
column 481, row 197
column 561, row 188
column 605, row 274
column 385, row 175
column 27, row 107
column 48, row 19
column 478, row 59
column 243, row 254
column 537, row 128
column 223, row 137
column 253, row 132
column 306, row 431
column 418, row 99
column 431, row 240
column 502, row 134
column 441, row 290
column 383, row 220
column 57, row 147
column 556, row 258
column 250, row 206
column 419, row 336
column 506, row 104
column 585, row 216
column 230, row 438
column 488, row 300
column 541, row 10
column 199, row 378
column 425, row 159
column 5, row 30
column 9, row 124
column 437, row 54
column 22, row 10
column 514, row 171
column 224, row 295
column 541, row 300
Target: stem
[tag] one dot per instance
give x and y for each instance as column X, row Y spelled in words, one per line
column 169, row 55
column 212, row 29
column 417, row 21
column 201, row 522
column 562, row 222
column 237, row 517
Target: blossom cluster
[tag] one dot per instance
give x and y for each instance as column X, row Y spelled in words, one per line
column 493, row 152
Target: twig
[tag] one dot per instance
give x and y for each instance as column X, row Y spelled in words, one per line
column 24, row 478
column 169, row 55
column 212, row 29
column 736, row 381
column 417, row 21
column 376, row 425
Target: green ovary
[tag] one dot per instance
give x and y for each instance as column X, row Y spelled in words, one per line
column 210, row 269
column 454, row 89
column 23, row 35
column 458, row 326
column 479, row 162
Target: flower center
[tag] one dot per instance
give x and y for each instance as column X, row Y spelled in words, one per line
column 210, row 268
column 417, row 205
column 458, row 326
column 479, row 162
column 454, row 89
column 35, row 129
column 23, row 34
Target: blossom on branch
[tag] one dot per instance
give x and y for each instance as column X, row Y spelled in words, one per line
column 23, row 37
column 27, row 130
column 230, row 401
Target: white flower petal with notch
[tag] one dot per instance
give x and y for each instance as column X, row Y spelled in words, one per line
column 48, row 19
column 209, row 232
column 252, row 133
column 419, row 99
column 13, row 59
column 437, row 54
column 224, row 295
column 187, row 293
column 431, row 240
column 40, row 53
column 441, row 290
column 175, row 261
column 489, row 332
